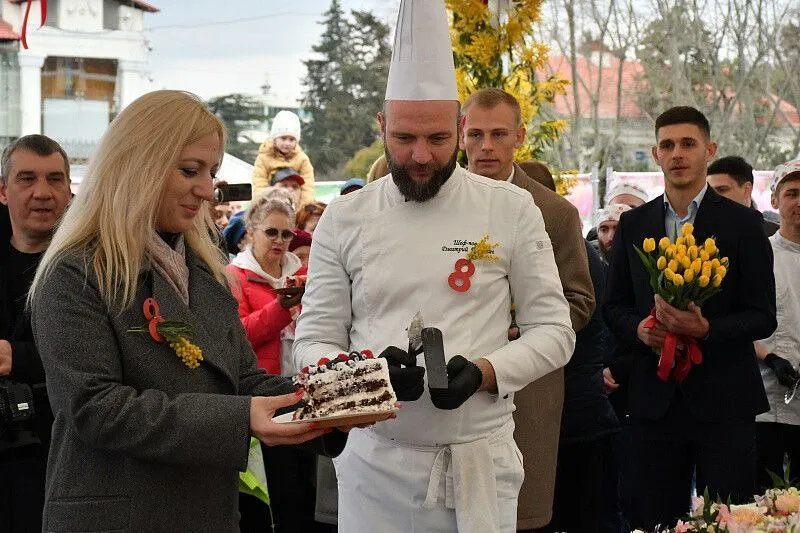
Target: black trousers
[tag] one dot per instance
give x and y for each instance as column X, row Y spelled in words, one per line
column 666, row 453
column 773, row 441
column 22, row 482
column 291, row 474
column 255, row 515
column 618, row 467
column 578, row 490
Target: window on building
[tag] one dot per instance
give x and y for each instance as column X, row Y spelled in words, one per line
column 79, row 99
column 9, row 95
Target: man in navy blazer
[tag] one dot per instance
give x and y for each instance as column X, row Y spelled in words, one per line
column 706, row 423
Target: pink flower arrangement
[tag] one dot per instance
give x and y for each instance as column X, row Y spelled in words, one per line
column 777, row 510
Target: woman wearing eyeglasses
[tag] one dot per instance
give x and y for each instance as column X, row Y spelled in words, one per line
column 268, row 320
column 260, row 269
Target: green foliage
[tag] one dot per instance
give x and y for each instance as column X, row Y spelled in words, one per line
column 239, row 112
column 361, row 162
column 345, row 86
column 781, row 482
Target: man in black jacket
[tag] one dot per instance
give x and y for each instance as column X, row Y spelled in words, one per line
column 34, row 191
column 588, row 420
column 732, row 177
column 706, row 422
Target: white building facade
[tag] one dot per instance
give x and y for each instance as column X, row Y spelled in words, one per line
column 88, row 62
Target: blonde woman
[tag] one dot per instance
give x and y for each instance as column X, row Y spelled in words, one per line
column 145, row 439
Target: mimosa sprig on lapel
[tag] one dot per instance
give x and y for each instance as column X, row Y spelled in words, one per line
column 483, row 250
column 682, row 272
column 173, row 332
column 465, row 268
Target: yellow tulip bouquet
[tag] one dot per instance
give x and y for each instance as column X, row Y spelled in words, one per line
column 681, row 272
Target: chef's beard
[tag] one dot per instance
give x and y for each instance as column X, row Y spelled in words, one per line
column 420, row 192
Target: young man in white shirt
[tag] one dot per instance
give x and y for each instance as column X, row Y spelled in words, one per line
column 778, row 431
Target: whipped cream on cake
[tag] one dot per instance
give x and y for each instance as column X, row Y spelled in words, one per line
column 350, row 384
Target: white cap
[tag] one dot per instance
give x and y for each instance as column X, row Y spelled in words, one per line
column 626, row 187
column 285, row 123
column 422, row 59
column 611, row 212
column 783, row 170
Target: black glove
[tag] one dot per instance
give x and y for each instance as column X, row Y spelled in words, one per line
column 463, row 379
column 408, row 383
column 786, row 374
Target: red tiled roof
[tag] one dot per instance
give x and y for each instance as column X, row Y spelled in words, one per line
column 144, row 6
column 6, row 33
column 787, row 110
column 589, row 72
column 785, row 114
column 633, row 78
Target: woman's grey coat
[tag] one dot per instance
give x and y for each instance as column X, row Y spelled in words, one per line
column 141, row 442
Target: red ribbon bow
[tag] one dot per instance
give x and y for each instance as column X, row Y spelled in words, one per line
column 679, row 351
column 25, row 20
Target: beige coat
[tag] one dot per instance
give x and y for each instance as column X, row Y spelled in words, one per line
column 270, row 159
column 538, row 413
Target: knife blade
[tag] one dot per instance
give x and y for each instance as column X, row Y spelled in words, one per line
column 435, row 367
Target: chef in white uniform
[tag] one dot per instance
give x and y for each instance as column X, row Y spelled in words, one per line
column 448, row 462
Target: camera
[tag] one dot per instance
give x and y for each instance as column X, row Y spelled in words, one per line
column 16, row 402
column 233, row 192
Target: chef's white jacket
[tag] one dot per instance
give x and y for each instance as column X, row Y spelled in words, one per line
column 377, row 259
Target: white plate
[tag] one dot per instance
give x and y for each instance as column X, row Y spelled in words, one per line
column 338, row 420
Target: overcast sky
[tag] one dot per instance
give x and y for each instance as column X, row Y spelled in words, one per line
column 213, row 47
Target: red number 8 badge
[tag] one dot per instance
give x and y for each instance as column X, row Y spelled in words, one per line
column 459, row 280
column 153, row 315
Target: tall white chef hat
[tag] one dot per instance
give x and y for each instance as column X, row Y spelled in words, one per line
column 422, row 59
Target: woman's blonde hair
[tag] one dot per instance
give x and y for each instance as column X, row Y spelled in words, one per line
column 266, row 202
column 114, row 214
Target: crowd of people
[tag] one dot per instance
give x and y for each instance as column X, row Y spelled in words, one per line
column 144, row 350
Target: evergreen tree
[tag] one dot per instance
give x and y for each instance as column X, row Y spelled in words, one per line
column 239, row 112
column 344, row 87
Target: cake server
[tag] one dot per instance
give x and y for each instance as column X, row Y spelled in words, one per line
column 415, row 337
column 435, row 367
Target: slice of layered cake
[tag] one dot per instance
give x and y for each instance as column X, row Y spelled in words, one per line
column 348, row 385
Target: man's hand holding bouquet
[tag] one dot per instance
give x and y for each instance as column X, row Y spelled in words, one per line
column 683, row 275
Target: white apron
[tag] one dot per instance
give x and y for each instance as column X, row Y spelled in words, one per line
column 439, row 489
